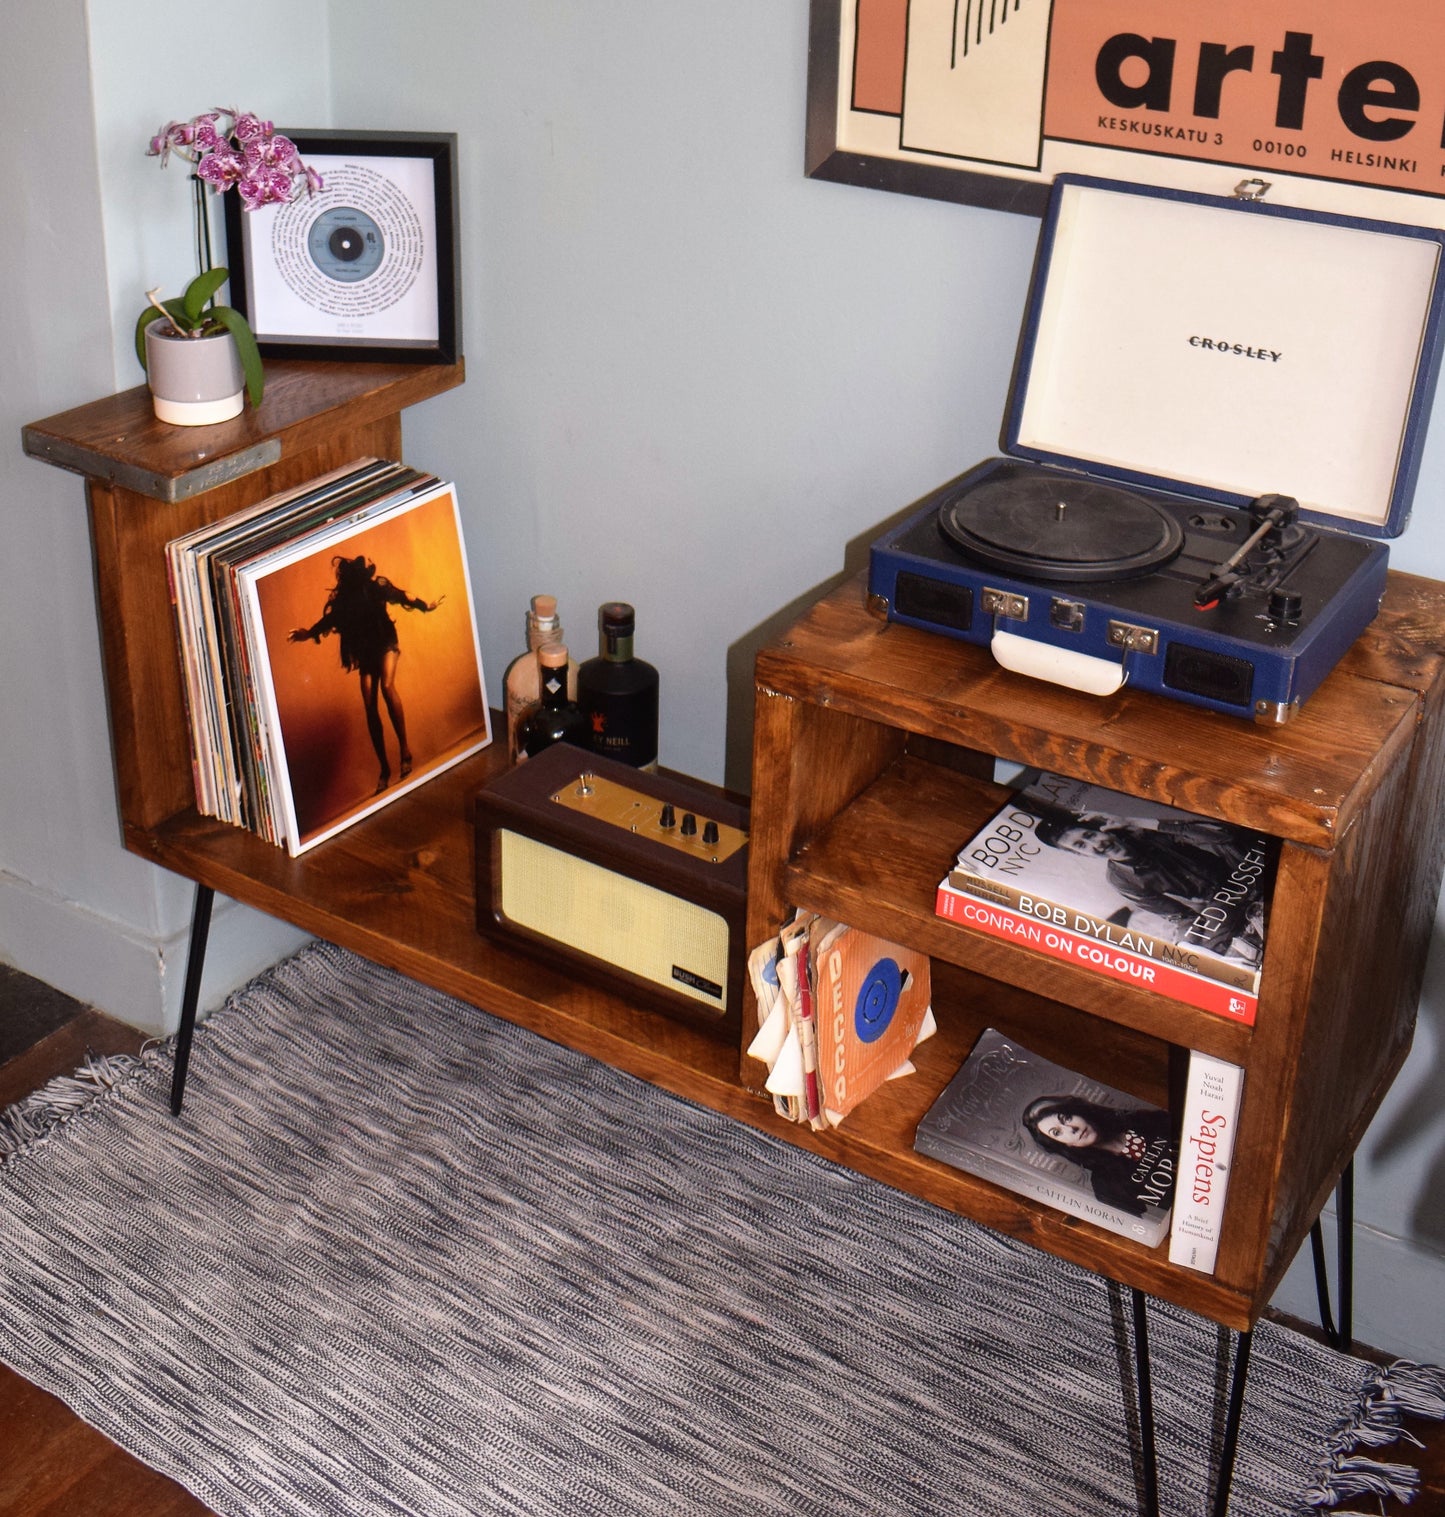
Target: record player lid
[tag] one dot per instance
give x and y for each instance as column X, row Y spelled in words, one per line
column 1227, row 348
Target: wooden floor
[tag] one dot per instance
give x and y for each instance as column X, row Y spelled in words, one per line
column 54, row 1465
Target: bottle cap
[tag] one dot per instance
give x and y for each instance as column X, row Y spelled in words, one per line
column 553, row 656
column 618, row 618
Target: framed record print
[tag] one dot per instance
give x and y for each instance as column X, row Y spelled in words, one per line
column 367, row 266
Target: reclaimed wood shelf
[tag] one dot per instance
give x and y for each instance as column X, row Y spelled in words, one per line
column 874, row 756
column 397, row 887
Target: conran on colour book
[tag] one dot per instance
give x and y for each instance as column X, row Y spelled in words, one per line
column 1187, row 893
column 1040, row 1130
column 1100, row 957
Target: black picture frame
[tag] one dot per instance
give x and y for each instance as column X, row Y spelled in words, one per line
column 825, row 158
column 297, row 301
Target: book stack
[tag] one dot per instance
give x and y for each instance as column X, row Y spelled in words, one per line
column 839, row 1013
column 1041, row 1130
column 1137, row 892
column 329, row 651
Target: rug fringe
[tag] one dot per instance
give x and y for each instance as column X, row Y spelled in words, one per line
column 1402, row 1389
column 36, row 1117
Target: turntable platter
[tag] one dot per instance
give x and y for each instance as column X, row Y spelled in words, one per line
column 1070, row 530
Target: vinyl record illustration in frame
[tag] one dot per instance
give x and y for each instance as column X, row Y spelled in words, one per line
column 366, row 267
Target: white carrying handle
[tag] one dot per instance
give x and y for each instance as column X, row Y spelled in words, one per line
column 1060, row 666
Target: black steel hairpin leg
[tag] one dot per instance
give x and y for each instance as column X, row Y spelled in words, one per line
column 191, row 993
column 1343, row 1336
column 1146, row 1403
column 1345, row 1253
column 1224, row 1476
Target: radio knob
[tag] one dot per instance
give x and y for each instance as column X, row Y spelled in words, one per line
column 709, row 834
column 667, row 817
column 689, row 824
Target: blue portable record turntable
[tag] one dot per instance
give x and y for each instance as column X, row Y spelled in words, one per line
column 1216, row 418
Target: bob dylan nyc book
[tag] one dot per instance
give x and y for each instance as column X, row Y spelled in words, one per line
column 1182, row 900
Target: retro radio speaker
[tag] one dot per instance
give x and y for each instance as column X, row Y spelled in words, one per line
column 637, row 881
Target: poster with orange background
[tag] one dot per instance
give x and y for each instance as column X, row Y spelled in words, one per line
column 1339, row 104
column 338, row 746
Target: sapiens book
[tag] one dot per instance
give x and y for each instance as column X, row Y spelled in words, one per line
column 1048, row 1132
column 1206, row 1152
column 1185, row 892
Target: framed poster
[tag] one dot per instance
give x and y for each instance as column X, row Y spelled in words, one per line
column 365, row 267
column 1336, row 107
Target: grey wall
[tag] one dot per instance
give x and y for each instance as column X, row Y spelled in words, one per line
column 698, row 382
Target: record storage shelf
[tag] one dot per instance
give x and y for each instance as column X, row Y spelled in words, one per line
column 397, row 887
column 874, row 750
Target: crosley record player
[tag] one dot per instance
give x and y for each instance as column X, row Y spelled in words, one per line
column 1216, row 416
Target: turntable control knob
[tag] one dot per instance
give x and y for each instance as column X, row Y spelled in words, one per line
column 689, row 824
column 709, row 834
column 1285, row 605
column 667, row 817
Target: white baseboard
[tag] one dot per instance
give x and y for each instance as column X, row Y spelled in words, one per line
column 135, row 978
column 1397, row 1293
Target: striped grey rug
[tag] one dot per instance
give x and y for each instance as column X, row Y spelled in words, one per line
column 400, row 1257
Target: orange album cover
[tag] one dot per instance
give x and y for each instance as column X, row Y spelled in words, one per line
column 368, row 663
column 870, row 999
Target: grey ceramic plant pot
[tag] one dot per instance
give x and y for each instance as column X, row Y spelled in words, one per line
column 194, row 381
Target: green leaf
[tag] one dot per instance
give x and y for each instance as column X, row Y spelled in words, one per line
column 145, row 318
column 201, row 289
column 250, row 353
column 173, row 309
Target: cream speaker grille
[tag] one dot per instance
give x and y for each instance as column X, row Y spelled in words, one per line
column 633, row 883
column 595, row 911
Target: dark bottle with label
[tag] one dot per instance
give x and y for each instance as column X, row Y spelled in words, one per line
column 619, row 693
column 557, row 719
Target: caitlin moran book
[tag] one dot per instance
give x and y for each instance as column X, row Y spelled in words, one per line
column 1044, row 1131
column 1124, row 884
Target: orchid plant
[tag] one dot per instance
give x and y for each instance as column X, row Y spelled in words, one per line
column 230, row 150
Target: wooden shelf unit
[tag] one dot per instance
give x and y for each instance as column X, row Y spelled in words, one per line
column 874, row 754
column 398, row 886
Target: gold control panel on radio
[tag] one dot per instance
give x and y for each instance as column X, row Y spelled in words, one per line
column 634, row 880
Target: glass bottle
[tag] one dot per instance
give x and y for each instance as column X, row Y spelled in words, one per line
column 522, row 683
column 556, row 719
column 619, row 692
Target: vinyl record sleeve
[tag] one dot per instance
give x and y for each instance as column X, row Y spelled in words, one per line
column 871, row 997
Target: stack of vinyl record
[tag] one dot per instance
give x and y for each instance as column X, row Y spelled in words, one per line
column 840, row 1012
column 288, row 739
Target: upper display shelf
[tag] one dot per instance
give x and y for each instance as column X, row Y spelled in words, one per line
column 119, row 441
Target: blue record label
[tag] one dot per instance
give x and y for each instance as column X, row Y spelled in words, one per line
column 877, row 1000
column 346, row 244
